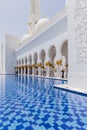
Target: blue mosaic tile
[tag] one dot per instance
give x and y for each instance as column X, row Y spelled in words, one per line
column 30, row 103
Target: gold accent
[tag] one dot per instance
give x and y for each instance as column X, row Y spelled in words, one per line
column 66, row 65
column 25, row 66
column 42, row 67
column 39, row 65
column 35, row 66
column 29, row 66
column 49, row 64
column 59, row 62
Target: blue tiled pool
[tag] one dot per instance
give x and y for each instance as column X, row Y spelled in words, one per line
column 30, row 103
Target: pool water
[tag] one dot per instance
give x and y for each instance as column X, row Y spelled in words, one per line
column 31, row 103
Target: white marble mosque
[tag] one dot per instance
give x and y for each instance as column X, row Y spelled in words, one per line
column 54, row 47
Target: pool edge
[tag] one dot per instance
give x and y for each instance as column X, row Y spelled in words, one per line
column 69, row 88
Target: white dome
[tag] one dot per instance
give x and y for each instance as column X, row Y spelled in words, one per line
column 41, row 23
column 25, row 38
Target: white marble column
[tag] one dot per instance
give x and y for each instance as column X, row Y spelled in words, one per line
column 18, row 71
column 24, row 70
column 58, row 71
column 21, row 71
column 42, row 71
column 39, row 71
column 28, row 71
column 33, row 70
column 48, row 71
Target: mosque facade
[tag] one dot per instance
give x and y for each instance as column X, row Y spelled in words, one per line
column 51, row 48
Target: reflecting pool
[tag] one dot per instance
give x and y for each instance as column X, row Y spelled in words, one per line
column 31, row 103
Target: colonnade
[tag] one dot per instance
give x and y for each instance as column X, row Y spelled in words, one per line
column 34, row 65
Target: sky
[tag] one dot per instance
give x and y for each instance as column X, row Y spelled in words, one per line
column 14, row 15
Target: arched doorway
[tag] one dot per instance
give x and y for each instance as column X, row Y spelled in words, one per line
column 30, row 64
column 64, row 50
column 22, row 69
column 19, row 66
column 42, row 69
column 64, row 58
column 52, row 55
column 35, row 59
column 25, row 67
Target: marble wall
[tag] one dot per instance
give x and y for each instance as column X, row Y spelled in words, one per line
column 77, row 25
column 10, row 44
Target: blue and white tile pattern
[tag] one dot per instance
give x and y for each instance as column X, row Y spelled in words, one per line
column 30, row 103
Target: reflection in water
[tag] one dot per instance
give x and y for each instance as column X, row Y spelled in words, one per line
column 38, row 88
column 32, row 98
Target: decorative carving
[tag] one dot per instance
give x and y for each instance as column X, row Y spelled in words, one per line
column 80, row 16
column 82, row 55
column 77, row 9
column 83, row 3
column 79, row 34
column 85, row 36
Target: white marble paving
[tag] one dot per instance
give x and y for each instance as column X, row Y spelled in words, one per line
column 72, row 88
